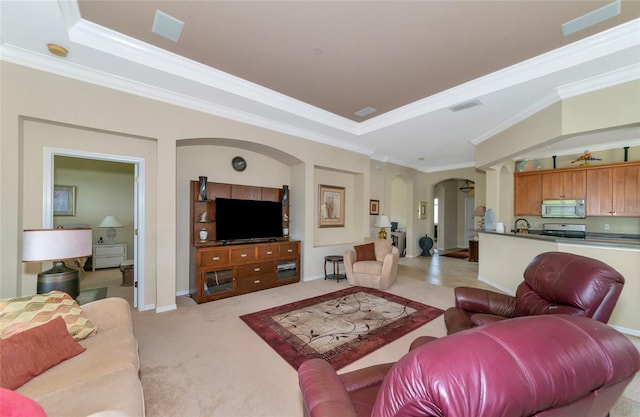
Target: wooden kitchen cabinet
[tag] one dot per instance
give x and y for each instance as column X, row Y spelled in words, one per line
column 614, row 190
column 527, row 194
column 567, row 184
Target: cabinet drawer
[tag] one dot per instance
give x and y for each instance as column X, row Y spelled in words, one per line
column 253, row 270
column 108, row 261
column 288, row 249
column 268, row 252
column 110, row 250
column 245, row 254
column 214, row 257
column 260, row 282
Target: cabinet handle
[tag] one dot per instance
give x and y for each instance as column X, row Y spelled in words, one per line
column 256, row 269
column 243, row 255
column 269, row 252
column 256, row 281
column 216, row 258
column 290, row 250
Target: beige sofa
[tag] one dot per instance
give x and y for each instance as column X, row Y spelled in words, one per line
column 104, row 378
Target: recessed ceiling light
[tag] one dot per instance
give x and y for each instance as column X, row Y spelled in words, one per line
column 365, row 112
column 591, row 18
column 465, row 105
column 58, row 50
column 167, row 26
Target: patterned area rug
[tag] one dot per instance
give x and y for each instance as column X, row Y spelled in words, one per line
column 460, row 254
column 340, row 327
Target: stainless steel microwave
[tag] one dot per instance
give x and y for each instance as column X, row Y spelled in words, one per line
column 565, row 209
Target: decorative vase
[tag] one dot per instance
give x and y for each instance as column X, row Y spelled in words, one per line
column 203, row 188
column 426, row 243
column 203, row 235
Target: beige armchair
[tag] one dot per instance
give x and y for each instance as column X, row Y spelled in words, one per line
column 372, row 264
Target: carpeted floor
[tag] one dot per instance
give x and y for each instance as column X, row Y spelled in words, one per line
column 339, row 327
column 202, row 360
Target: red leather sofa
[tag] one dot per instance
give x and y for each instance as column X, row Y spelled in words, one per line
column 554, row 283
column 551, row 366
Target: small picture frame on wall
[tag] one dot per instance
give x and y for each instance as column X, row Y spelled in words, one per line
column 64, row 200
column 422, row 210
column 374, row 207
column 331, row 206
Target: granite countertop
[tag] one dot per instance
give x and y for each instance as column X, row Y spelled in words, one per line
column 592, row 239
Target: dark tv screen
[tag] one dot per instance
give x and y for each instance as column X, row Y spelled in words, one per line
column 247, row 219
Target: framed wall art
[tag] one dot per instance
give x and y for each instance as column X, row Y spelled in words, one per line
column 422, row 210
column 374, row 207
column 331, row 206
column 64, row 200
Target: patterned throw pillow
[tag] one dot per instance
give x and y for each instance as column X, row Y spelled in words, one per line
column 21, row 313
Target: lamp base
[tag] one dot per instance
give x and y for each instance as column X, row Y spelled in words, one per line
column 382, row 234
column 60, row 278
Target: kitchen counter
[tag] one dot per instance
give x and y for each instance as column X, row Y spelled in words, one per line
column 503, row 258
column 593, row 239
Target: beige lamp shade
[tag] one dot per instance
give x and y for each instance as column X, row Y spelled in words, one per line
column 111, row 222
column 55, row 244
column 382, row 221
column 479, row 211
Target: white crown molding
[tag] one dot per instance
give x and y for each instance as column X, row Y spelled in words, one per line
column 108, row 41
column 601, row 81
column 69, row 70
column 570, row 90
column 597, row 46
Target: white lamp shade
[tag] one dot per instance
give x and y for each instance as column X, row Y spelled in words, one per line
column 382, row 221
column 110, row 221
column 55, row 244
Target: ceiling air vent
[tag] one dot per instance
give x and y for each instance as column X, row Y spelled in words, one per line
column 365, row 112
column 465, row 105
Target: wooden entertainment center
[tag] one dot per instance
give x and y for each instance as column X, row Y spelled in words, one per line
column 221, row 269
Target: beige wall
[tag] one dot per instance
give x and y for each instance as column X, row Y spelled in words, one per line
column 61, row 112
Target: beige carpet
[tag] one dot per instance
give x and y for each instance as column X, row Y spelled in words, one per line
column 202, row 360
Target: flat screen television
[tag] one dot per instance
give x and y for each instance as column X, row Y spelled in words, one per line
column 247, row 219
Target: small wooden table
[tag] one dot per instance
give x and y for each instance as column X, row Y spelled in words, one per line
column 335, row 260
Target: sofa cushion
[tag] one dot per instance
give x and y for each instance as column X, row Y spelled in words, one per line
column 365, row 252
column 21, row 313
column 13, row 404
column 31, row 352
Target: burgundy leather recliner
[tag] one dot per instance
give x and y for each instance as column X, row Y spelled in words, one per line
column 554, row 283
column 552, row 366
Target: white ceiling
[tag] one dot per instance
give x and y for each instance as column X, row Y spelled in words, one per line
column 305, row 67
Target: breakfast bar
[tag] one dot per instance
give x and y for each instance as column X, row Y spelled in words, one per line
column 504, row 256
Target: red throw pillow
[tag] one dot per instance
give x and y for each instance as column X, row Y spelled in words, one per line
column 365, row 252
column 26, row 355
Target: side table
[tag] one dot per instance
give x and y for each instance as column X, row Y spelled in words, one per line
column 335, row 260
column 473, row 251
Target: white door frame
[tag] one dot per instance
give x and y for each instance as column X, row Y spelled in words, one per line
column 139, row 204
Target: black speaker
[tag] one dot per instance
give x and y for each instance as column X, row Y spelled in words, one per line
column 285, row 195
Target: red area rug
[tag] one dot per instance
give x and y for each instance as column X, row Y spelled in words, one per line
column 339, row 327
column 460, row 254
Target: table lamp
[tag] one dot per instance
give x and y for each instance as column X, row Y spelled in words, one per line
column 57, row 245
column 382, row 221
column 111, row 222
column 480, row 211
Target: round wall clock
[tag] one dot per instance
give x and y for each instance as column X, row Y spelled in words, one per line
column 238, row 163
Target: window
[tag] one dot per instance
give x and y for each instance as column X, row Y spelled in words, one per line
column 435, row 211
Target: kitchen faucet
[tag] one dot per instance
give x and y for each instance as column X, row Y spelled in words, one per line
column 520, row 229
